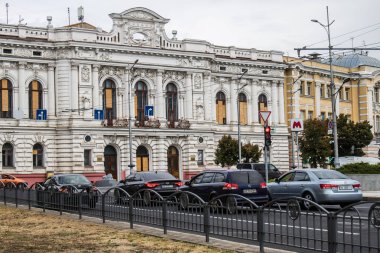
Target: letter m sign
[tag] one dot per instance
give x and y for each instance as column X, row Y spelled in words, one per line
column 296, row 125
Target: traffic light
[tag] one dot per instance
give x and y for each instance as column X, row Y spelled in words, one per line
column 267, row 136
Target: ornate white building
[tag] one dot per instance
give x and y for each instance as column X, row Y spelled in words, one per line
column 193, row 85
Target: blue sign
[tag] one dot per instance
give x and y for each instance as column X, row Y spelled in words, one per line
column 98, row 114
column 41, row 114
column 149, row 110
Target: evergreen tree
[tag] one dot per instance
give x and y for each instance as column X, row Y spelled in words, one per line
column 251, row 153
column 227, row 151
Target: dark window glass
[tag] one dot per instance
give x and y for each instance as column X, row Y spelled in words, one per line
column 239, row 178
column 73, row 179
column 35, row 98
column 200, row 157
column 38, row 153
column 300, row 176
column 219, row 177
column 141, row 96
column 109, row 100
column 197, row 179
column 272, row 167
column 87, row 157
column 7, row 155
column 171, row 104
column 287, row 178
column 157, row 176
column 207, row 178
column 329, row 174
column 255, row 177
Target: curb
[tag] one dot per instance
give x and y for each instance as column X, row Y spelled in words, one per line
column 173, row 235
column 370, row 198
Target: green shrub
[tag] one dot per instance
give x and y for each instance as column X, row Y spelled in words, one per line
column 360, row 168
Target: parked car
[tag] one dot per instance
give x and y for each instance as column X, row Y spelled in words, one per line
column 319, row 185
column 105, row 184
column 8, row 179
column 69, row 185
column 163, row 183
column 210, row 184
column 273, row 172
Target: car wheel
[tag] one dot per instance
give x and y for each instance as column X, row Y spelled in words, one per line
column 231, row 205
column 306, row 204
column 216, row 205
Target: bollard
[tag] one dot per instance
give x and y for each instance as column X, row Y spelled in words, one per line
column 80, row 205
column 104, row 208
column 331, row 233
column 260, row 229
column 206, row 221
column 164, row 217
column 130, row 202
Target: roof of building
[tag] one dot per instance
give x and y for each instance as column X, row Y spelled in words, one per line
column 82, row 25
column 355, row 60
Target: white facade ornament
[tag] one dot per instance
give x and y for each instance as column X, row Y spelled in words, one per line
column 173, row 75
column 85, row 74
column 197, row 81
column 104, row 56
column 111, row 71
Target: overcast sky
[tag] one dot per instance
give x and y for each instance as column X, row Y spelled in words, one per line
column 261, row 24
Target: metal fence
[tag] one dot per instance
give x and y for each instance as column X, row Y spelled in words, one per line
column 280, row 222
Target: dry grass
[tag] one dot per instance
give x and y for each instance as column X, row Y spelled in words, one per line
column 30, row 231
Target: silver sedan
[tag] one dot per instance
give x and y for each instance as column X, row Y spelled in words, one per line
column 319, row 185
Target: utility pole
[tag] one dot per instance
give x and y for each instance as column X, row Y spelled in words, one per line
column 7, row 7
column 238, row 106
column 131, row 165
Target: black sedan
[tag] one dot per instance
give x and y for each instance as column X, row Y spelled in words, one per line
column 163, row 183
column 67, row 188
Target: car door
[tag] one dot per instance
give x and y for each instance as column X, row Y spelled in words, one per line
column 194, row 184
column 133, row 184
column 297, row 185
column 206, row 186
column 280, row 188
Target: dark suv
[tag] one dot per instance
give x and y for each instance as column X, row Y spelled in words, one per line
column 273, row 172
column 210, row 184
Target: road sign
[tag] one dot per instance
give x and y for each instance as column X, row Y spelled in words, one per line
column 149, row 110
column 330, row 125
column 98, row 114
column 41, row 114
column 264, row 115
column 296, row 125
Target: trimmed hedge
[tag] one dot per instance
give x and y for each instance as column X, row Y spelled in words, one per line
column 360, row 168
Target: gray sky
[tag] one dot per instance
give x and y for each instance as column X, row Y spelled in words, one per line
column 266, row 25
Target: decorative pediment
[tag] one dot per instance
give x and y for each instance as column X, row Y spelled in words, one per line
column 140, row 13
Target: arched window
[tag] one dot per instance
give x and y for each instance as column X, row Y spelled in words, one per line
column 171, row 104
column 263, row 106
column 142, row 159
column 141, row 100
column 38, row 155
column 377, row 124
column 110, row 161
column 243, row 109
column 7, row 155
column 35, row 98
column 221, row 108
column 173, row 161
column 109, row 101
column 6, row 98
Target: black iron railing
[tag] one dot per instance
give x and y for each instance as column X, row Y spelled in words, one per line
column 280, row 222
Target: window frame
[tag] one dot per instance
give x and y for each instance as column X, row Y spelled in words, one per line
column 9, row 89
column 38, row 159
column 7, row 155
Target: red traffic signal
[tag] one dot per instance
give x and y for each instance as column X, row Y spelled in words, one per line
column 267, row 136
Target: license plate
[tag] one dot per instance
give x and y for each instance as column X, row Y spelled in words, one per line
column 249, row 191
column 167, row 186
column 345, row 187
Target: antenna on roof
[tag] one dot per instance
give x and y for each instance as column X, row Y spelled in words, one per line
column 81, row 14
column 68, row 13
column 6, row 7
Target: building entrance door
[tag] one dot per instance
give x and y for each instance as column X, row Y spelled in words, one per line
column 173, row 161
column 110, row 161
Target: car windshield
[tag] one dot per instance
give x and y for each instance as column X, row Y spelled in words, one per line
column 329, row 174
column 157, row 176
column 73, row 179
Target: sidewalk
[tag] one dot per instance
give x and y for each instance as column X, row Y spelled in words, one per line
column 371, row 195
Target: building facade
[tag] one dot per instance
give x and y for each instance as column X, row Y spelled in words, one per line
column 80, row 76
column 357, row 85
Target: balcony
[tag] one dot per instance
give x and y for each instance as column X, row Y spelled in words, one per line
column 149, row 123
column 115, row 122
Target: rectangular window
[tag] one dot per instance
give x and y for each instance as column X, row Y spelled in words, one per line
column 301, row 88
column 7, row 51
column 377, row 124
column 310, row 114
column 341, row 96
column 347, row 94
column 222, row 68
column 330, row 115
column 323, row 115
column 303, row 113
column 376, row 95
column 200, row 157
column 323, row 93
column 308, row 88
column 37, row 53
column 328, row 92
column 87, row 157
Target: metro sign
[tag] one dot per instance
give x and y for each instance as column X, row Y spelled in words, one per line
column 296, row 125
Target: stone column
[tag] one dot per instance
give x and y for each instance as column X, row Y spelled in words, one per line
column 181, row 104
column 249, row 103
column 274, row 115
column 233, row 100
column 74, row 89
column 22, row 98
column 207, row 96
column 160, row 99
column 370, row 106
column 51, row 91
column 281, row 102
column 255, row 102
column 317, row 99
column 95, row 88
column 296, row 99
column 189, row 97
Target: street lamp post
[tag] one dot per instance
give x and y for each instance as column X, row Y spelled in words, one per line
column 332, row 88
column 131, row 165
column 238, row 106
column 291, row 103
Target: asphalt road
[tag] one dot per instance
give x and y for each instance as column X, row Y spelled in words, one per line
column 306, row 231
